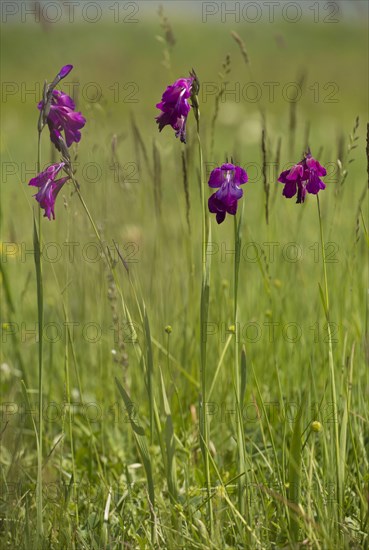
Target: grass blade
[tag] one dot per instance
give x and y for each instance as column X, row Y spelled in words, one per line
column 170, row 446
column 141, row 442
column 294, row 476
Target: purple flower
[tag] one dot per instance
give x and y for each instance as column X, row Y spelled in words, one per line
column 63, row 117
column 175, row 106
column 64, row 71
column 228, row 177
column 48, row 188
column 303, row 178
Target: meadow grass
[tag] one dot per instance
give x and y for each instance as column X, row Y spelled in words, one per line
column 199, row 390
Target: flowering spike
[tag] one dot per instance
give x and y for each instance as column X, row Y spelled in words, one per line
column 57, row 109
column 175, row 107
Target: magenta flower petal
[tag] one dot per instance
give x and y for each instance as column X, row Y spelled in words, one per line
column 295, row 173
column 60, row 99
column 176, row 94
column 283, row 176
column 216, row 178
column 49, row 174
column 220, row 217
column 227, row 166
column 216, row 207
column 314, row 184
column 314, row 165
column 290, row 189
column 229, row 193
column 240, row 176
column 64, row 71
column 218, row 175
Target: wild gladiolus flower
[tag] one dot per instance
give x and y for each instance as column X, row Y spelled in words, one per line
column 175, row 107
column 49, row 187
column 228, row 178
column 303, row 178
column 62, row 117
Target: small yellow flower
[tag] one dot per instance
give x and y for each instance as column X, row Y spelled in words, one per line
column 168, row 329
column 316, row 426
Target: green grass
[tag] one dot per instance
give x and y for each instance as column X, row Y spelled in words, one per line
column 123, row 463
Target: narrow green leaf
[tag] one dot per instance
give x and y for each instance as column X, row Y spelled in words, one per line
column 243, row 376
column 141, row 442
column 294, row 477
column 5, row 282
column 324, row 301
column 150, row 369
column 170, row 445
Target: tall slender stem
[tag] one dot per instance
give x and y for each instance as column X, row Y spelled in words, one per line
column 67, row 387
column 331, row 371
column 323, row 257
column 236, row 369
column 40, row 315
column 204, row 310
column 237, row 378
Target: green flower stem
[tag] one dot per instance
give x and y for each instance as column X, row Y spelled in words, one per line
column 339, row 479
column 204, row 310
column 40, row 315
